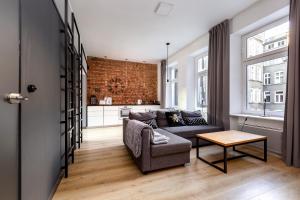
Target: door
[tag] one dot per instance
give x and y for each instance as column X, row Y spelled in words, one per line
column 41, row 62
column 9, row 83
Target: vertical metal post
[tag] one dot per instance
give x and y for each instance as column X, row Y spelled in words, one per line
column 81, row 97
column 78, row 101
column 66, row 91
column 265, row 150
column 225, row 159
column 197, row 147
column 73, row 95
column 73, row 103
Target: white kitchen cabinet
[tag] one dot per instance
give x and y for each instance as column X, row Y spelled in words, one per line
column 112, row 116
column 99, row 116
column 95, row 116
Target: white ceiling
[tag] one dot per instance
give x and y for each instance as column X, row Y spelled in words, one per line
column 130, row 29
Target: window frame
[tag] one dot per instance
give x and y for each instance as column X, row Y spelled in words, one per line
column 204, row 72
column 269, row 94
column 267, row 78
column 280, row 76
column 275, row 96
column 172, row 81
column 270, row 55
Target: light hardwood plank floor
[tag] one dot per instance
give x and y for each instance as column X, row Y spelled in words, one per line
column 104, row 170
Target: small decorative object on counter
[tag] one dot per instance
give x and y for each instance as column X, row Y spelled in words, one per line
column 108, row 100
column 93, row 100
column 139, row 101
column 102, row 102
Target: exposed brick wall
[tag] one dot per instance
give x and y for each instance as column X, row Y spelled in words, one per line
column 124, row 81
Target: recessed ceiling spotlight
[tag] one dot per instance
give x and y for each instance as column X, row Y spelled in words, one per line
column 164, row 9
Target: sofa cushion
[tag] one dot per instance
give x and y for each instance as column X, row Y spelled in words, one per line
column 193, row 118
column 194, row 121
column 191, row 131
column 185, row 113
column 147, row 117
column 161, row 118
column 174, row 118
column 175, row 145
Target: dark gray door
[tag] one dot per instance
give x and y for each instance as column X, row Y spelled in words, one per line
column 40, row 117
column 9, row 83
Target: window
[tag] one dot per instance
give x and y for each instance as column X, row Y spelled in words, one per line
column 267, row 96
column 267, row 78
column 279, row 77
column 172, row 86
column 255, row 73
column 265, row 59
column 279, row 97
column 255, row 95
column 264, row 41
column 201, row 63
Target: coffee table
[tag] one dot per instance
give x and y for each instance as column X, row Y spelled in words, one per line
column 228, row 139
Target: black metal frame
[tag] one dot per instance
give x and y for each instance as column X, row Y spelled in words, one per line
column 225, row 156
column 72, row 89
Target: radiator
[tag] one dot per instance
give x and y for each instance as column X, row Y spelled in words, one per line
column 274, row 135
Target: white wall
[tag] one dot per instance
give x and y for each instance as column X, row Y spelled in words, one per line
column 261, row 13
column 186, row 71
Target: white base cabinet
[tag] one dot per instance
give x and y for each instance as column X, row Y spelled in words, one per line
column 100, row 116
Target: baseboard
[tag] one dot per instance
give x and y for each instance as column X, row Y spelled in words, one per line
column 60, row 177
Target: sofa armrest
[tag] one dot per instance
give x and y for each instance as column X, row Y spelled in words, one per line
column 144, row 161
column 146, row 148
column 125, row 122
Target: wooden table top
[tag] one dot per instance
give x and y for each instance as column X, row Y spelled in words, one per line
column 231, row 138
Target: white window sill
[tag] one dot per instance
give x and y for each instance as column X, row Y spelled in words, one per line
column 257, row 117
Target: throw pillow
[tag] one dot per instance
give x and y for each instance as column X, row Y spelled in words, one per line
column 191, row 113
column 195, row 121
column 174, row 119
column 161, row 118
column 193, row 118
column 151, row 122
column 147, row 118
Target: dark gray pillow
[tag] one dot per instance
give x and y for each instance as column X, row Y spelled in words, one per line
column 147, row 118
column 174, row 118
column 191, row 113
column 193, row 118
column 161, row 118
column 194, row 121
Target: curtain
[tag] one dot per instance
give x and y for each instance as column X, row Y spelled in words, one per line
column 291, row 130
column 163, row 83
column 218, row 75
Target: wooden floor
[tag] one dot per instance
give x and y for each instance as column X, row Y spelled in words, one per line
column 103, row 170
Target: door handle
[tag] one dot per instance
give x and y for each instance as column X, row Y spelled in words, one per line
column 15, row 98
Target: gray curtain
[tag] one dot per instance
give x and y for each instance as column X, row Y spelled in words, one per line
column 218, row 75
column 291, row 133
column 163, row 83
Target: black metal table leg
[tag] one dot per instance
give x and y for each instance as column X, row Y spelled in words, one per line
column 225, row 159
column 265, row 150
column 197, row 144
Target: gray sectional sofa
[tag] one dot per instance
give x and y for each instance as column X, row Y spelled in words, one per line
column 176, row 152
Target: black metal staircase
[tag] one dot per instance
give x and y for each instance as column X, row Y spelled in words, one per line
column 71, row 88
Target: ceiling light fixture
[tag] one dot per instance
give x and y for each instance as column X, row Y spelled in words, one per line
column 164, row 9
